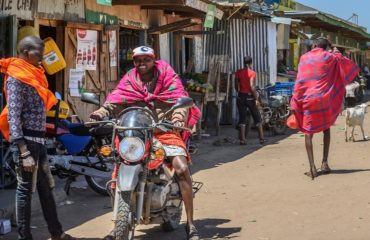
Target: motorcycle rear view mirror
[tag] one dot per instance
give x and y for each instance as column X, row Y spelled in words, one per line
column 92, row 98
column 184, row 102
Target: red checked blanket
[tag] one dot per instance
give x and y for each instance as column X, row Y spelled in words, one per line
column 319, row 89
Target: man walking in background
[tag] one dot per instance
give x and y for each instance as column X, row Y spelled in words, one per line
column 318, row 95
column 248, row 98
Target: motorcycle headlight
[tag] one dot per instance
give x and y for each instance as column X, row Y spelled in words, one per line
column 132, row 149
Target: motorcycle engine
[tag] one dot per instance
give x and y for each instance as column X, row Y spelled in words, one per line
column 159, row 196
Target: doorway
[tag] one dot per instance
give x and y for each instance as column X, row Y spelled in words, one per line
column 129, row 39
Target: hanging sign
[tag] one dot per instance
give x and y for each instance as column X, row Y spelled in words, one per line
column 202, row 6
column 210, row 17
column 113, row 47
column 86, row 56
column 104, row 2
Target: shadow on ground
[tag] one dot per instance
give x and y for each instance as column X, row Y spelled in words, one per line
column 208, row 229
column 82, row 206
column 210, row 156
column 347, row 171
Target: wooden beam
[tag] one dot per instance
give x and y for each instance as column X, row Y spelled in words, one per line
column 85, row 26
column 171, row 27
column 146, row 2
column 200, row 32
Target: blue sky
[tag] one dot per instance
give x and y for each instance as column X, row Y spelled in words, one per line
column 343, row 9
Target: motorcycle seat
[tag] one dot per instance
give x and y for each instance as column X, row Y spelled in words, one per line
column 78, row 129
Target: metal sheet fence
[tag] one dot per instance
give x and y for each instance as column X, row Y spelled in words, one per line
column 240, row 37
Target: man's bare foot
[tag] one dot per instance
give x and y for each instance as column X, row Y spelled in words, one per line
column 312, row 173
column 325, row 169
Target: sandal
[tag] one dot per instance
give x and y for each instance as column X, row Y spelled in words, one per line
column 262, row 141
column 243, row 142
column 192, row 233
column 325, row 169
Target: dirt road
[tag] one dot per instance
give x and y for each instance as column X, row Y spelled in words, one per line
column 255, row 193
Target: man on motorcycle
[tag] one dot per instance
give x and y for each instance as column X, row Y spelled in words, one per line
column 154, row 84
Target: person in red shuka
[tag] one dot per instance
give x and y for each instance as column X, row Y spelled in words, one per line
column 248, row 98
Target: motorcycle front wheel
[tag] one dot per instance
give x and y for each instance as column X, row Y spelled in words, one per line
column 125, row 223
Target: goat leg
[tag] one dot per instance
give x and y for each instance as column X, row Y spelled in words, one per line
column 352, row 134
column 363, row 133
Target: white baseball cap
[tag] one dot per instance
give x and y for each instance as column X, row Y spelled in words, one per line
column 144, row 51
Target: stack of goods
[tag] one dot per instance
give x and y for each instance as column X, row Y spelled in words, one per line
column 195, row 82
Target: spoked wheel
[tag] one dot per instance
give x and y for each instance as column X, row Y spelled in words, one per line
column 99, row 184
column 125, row 223
column 280, row 126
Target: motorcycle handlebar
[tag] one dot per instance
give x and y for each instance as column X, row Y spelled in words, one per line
column 169, row 125
column 91, row 124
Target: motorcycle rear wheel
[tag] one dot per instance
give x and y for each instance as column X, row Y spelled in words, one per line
column 125, row 225
column 97, row 186
column 172, row 223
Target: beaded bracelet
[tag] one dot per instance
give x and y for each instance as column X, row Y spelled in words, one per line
column 25, row 154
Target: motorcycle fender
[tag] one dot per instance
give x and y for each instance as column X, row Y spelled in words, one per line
column 128, row 177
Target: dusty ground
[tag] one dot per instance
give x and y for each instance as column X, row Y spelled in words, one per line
column 255, row 193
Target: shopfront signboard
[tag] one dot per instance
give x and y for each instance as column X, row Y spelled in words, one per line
column 210, row 17
column 100, row 18
column 104, row 2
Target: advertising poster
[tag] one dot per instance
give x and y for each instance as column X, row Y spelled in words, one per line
column 86, row 56
column 112, row 48
column 77, row 81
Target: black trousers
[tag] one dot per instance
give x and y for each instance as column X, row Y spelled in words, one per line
column 247, row 101
column 24, row 193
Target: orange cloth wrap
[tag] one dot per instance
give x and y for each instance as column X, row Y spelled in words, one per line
column 28, row 74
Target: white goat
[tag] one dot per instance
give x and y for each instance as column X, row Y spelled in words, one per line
column 355, row 117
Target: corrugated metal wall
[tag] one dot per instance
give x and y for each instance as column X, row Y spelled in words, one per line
column 216, row 44
column 249, row 37
column 241, row 37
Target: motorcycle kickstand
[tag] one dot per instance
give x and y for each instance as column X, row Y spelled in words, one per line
column 67, row 186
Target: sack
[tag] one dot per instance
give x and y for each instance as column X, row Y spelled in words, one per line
column 292, row 122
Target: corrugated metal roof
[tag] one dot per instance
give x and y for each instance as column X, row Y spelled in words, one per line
column 327, row 20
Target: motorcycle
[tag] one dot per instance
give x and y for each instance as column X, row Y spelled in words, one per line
column 75, row 150
column 274, row 111
column 9, row 179
column 147, row 190
column 362, row 89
